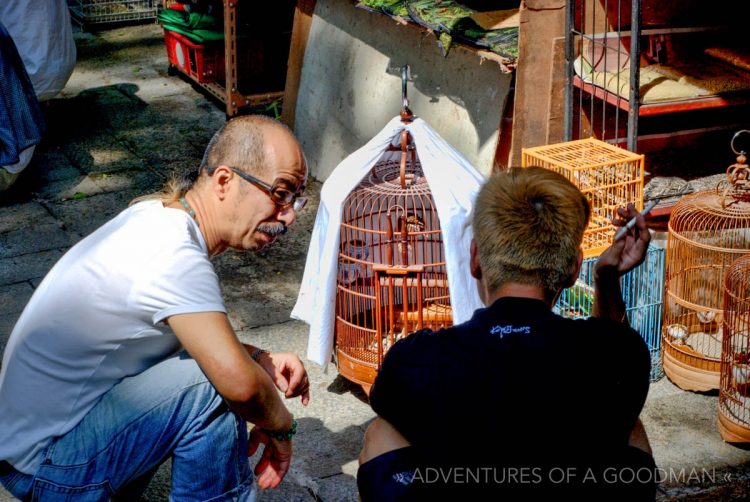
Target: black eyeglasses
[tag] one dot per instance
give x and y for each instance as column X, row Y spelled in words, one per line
column 278, row 193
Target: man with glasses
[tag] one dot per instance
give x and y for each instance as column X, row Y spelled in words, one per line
column 125, row 357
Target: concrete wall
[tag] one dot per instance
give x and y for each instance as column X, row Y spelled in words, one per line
column 350, row 87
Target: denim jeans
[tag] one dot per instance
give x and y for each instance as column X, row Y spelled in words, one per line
column 170, row 409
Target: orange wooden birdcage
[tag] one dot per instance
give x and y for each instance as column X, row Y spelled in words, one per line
column 608, row 176
column 392, row 278
column 734, row 393
column 708, row 230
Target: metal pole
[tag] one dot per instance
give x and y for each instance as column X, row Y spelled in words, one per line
column 570, row 9
column 635, row 74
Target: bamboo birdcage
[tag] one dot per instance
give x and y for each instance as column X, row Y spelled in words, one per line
column 734, row 393
column 608, row 176
column 708, row 230
column 392, row 277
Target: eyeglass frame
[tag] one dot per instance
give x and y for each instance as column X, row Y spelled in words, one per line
column 297, row 201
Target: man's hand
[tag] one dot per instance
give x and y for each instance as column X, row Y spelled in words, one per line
column 628, row 252
column 274, row 463
column 288, row 373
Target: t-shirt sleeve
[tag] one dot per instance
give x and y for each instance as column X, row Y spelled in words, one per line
column 180, row 279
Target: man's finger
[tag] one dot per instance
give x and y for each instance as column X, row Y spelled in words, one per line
column 279, row 378
column 296, row 380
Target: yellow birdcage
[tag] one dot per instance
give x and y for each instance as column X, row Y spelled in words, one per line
column 734, row 394
column 608, row 176
column 708, row 230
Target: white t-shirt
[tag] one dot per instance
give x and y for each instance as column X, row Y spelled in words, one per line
column 97, row 318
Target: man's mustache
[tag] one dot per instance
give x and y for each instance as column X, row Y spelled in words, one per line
column 272, row 229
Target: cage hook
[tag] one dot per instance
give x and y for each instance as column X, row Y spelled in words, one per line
column 731, row 144
column 406, row 114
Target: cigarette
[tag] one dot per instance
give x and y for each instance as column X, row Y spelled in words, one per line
column 630, row 224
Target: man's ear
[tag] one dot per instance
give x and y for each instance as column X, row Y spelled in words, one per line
column 476, row 268
column 220, row 179
column 575, row 270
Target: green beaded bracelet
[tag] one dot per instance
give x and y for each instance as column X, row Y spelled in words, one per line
column 283, row 436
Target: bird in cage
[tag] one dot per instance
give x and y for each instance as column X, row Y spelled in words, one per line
column 678, row 332
column 741, row 374
column 706, row 316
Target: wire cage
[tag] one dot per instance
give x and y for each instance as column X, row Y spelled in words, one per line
column 392, row 278
column 734, row 393
column 708, row 230
column 642, row 292
column 608, row 176
column 109, row 11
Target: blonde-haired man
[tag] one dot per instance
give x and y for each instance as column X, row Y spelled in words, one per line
column 124, row 356
column 519, row 400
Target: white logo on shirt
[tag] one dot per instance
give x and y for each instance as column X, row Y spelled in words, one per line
column 508, row 329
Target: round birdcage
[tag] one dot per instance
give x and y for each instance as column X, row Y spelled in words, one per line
column 734, row 393
column 392, row 278
column 708, row 230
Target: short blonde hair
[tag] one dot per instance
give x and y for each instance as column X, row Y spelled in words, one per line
column 528, row 226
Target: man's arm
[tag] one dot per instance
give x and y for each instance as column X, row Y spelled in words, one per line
column 210, row 340
column 621, row 257
column 285, row 369
column 247, row 388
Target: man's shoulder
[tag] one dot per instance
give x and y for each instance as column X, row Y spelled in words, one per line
column 416, row 343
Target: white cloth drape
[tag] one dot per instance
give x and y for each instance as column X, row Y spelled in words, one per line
column 454, row 183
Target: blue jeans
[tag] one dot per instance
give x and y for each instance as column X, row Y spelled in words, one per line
column 170, row 409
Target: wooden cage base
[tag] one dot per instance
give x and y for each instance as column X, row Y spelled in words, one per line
column 731, row 431
column 355, row 371
column 689, row 377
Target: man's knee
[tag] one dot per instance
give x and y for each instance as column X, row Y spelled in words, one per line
column 380, row 437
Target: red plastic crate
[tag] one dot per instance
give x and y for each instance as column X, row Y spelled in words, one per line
column 202, row 62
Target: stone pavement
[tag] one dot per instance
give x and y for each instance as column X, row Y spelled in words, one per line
column 120, row 127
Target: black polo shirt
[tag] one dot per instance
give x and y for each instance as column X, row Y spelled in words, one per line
column 516, row 386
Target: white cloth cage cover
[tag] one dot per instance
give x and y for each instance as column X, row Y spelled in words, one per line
column 454, row 183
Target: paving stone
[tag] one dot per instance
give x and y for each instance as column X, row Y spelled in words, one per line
column 28, row 266
column 159, row 146
column 7, row 322
column 154, row 88
column 83, row 216
column 342, row 487
column 40, row 238
column 102, row 154
column 52, row 166
column 81, row 186
column 20, row 216
column 13, row 297
column 5, row 495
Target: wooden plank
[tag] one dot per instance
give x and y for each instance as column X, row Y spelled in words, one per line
column 303, row 15
column 542, row 21
column 556, row 120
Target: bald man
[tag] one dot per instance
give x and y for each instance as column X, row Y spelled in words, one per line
column 124, row 356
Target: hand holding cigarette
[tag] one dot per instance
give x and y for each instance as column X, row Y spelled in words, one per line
column 631, row 223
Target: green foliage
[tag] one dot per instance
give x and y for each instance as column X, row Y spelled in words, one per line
column 451, row 22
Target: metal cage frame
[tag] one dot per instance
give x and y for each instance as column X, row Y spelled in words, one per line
column 87, row 12
column 642, row 292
